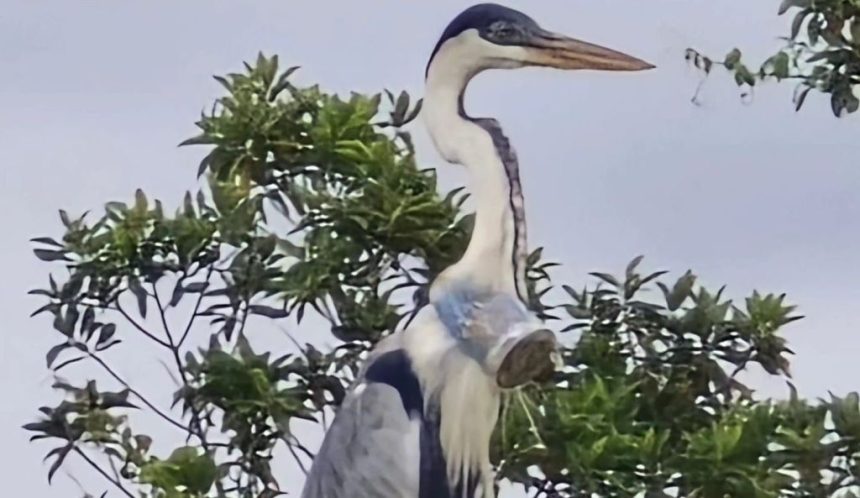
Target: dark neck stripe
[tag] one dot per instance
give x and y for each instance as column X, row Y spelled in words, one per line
column 516, row 202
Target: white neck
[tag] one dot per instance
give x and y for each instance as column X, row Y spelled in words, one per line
column 492, row 254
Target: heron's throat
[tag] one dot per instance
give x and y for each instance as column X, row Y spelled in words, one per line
column 495, row 258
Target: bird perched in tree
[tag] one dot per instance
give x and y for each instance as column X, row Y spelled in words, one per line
column 418, row 421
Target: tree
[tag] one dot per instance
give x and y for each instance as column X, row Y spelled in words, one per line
column 822, row 52
column 313, row 201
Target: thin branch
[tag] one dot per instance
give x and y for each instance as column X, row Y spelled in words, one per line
column 298, row 444
column 174, row 349
column 196, row 426
column 137, row 325
column 137, row 394
column 162, row 313
column 114, row 469
column 296, row 457
column 196, row 309
column 241, row 332
column 169, row 372
column 101, row 471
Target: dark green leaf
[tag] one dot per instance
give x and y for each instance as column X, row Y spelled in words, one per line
column 68, row 362
column 49, row 255
column 61, row 453
column 64, row 218
column 198, row 140
column 196, row 287
column 178, row 292
column 107, row 345
column 534, row 257
column 54, row 352
column 116, row 400
column 267, row 311
column 606, row 278
column 631, row 267
column 800, row 98
column 41, row 292
column 140, row 295
column 46, row 240
column 797, row 23
column 415, row 111
column 732, row 58
column 88, row 323
column 65, row 323
column 788, row 4
column 107, row 331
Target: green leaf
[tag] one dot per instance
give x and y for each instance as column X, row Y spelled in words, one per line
column 578, row 312
column 800, row 98
column 680, row 291
column 196, row 287
column 573, row 293
column 198, row 140
column 46, row 240
column 743, row 76
column 631, row 267
column 139, row 293
column 88, row 323
column 54, row 352
column 185, row 467
column 61, row 454
column 400, row 108
column 197, row 471
column 65, row 323
column 797, row 22
column 813, row 30
column 140, row 201
column 534, row 257
column 788, row 4
column 415, row 111
column 49, row 255
column 224, row 82
column 732, row 58
column 107, row 331
column 178, row 292
column 68, row 362
column 267, row 311
column 64, row 218
column 606, row 278
column 781, row 65
column 843, row 99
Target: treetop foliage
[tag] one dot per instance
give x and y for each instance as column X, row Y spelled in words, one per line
column 822, row 52
column 311, row 201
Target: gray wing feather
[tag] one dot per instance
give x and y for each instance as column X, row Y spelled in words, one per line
column 371, row 449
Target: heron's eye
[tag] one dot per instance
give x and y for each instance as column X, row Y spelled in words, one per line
column 503, row 31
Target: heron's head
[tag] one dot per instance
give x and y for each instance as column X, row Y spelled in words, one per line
column 488, row 36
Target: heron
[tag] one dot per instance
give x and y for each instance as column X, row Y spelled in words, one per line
column 418, row 420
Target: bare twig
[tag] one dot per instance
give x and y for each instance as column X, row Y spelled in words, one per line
column 162, row 313
column 137, row 325
column 196, row 427
column 296, row 457
column 104, row 474
column 196, row 309
column 137, row 394
column 174, row 350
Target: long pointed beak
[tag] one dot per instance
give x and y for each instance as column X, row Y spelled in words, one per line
column 561, row 52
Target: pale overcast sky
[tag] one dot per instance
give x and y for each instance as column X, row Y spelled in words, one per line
column 94, row 97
